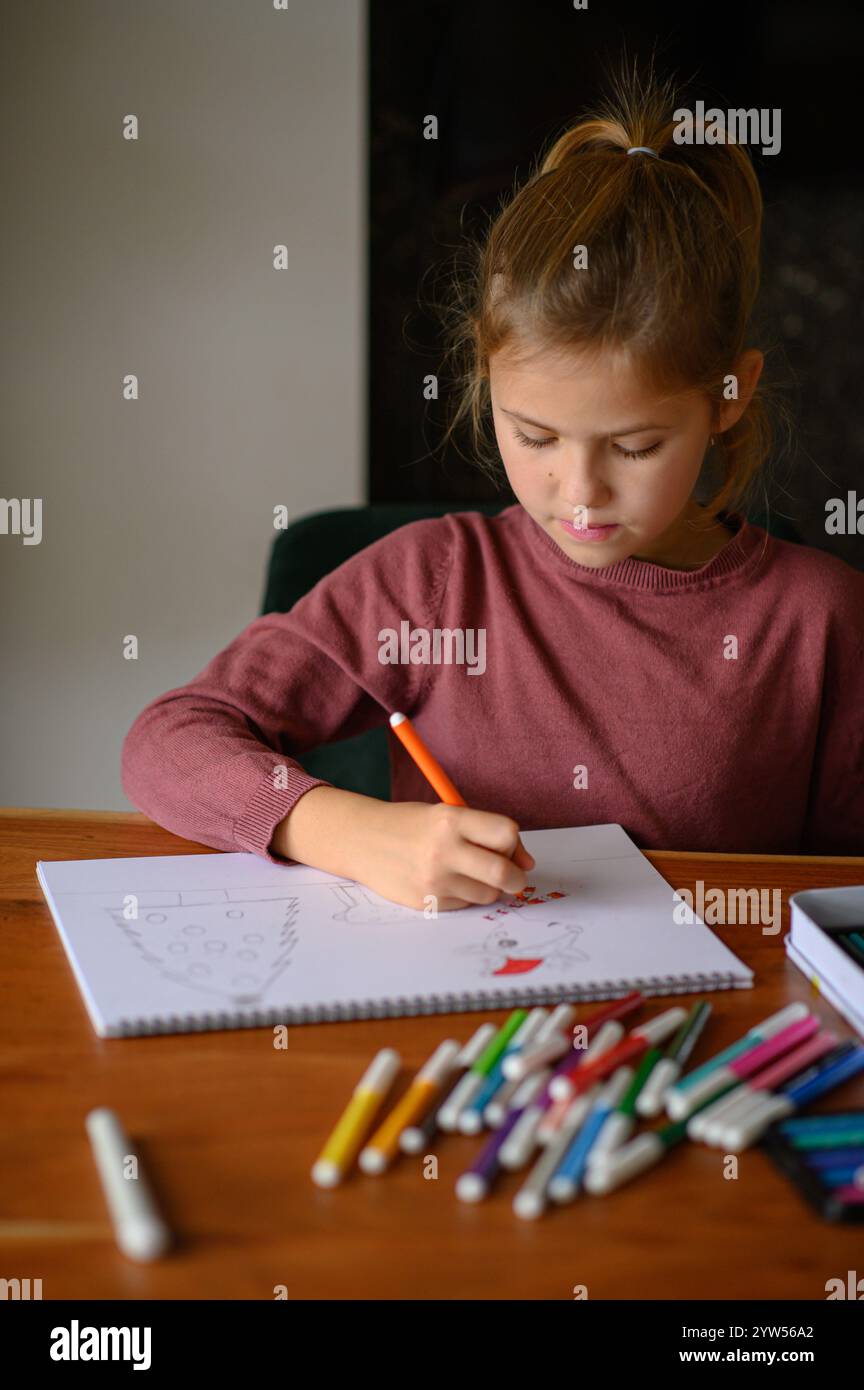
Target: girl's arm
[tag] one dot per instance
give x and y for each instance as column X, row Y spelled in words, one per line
column 216, row 760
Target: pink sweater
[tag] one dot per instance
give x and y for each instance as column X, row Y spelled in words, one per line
column 626, row 672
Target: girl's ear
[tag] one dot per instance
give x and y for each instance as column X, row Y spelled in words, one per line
column 747, row 370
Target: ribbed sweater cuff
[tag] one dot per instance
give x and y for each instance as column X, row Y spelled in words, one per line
column 270, row 804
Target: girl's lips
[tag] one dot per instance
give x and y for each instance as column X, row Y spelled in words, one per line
column 589, row 533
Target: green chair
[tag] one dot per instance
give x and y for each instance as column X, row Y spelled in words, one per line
column 317, row 544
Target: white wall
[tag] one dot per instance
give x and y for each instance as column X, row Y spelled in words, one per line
column 155, row 257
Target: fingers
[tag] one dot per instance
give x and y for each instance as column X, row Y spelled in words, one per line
column 493, row 873
column 523, row 858
column 467, row 892
column 495, row 832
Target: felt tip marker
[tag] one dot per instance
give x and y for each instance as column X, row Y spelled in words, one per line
column 647, row 1035
column 540, row 1123
column 678, row 1101
column 774, row 1107
column 622, row 1165
column 532, row 1198
column 139, row 1230
column 667, row 1071
column 415, row 1137
column 351, row 1129
column 710, row 1124
column 612, row 1013
column 566, row 1180
column 621, row 1121
column 475, row 1183
column 430, row 766
column 552, row 1041
column 723, row 1078
column 472, row 1117
column 384, row 1144
column 474, row 1080
column 608, row 1035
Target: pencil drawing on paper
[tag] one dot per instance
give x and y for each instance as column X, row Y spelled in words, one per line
column 222, row 944
column 358, row 907
column 527, row 946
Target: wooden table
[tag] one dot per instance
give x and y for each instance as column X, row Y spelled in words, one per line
column 229, row 1127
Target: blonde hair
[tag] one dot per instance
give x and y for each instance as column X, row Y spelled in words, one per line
column 672, row 279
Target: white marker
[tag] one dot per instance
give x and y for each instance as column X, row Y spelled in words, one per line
column 467, row 1088
column 625, row 1163
column 698, row 1124
column 552, row 1042
column 522, row 1139
column 139, row 1230
column 508, row 1098
column 539, row 1123
column 755, row 1121
column 531, row 1199
column 651, row 1098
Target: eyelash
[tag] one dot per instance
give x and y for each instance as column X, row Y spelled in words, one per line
column 626, row 453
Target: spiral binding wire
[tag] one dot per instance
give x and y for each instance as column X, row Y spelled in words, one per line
column 408, row 1006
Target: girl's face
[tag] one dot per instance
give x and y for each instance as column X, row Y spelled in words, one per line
column 606, row 468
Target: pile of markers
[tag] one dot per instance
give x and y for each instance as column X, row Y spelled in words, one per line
column 561, row 1102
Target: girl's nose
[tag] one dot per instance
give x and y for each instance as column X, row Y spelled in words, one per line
column 582, row 485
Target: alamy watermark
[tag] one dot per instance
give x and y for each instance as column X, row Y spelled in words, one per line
column 753, row 126
column 22, row 516
column 729, row 907
column 446, row 646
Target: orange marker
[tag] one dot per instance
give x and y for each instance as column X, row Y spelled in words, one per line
column 429, row 766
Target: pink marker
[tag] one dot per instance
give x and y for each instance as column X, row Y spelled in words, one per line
column 709, row 1125
column 752, row 1061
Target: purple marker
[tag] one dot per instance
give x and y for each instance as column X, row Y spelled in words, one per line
column 474, row 1184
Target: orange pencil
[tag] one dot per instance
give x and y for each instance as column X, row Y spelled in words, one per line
column 429, row 766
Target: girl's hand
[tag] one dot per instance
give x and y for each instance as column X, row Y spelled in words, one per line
column 408, row 851
column 452, row 854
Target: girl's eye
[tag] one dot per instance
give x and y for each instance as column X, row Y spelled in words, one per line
column 532, row 443
column 637, row 453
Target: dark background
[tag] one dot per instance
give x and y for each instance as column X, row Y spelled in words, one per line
column 502, row 78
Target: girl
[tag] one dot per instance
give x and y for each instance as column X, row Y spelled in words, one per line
column 648, row 660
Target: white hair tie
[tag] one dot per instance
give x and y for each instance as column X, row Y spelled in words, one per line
column 643, row 149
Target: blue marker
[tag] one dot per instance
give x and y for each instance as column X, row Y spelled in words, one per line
column 756, row 1120
column 567, row 1178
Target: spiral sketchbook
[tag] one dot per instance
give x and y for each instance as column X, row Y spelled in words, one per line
column 184, row 943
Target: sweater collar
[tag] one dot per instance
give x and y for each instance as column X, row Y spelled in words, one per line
column 739, row 553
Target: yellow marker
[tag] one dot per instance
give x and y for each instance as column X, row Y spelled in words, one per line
column 369, row 1095
column 418, row 1099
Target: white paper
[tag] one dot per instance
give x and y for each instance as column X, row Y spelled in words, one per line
column 179, row 942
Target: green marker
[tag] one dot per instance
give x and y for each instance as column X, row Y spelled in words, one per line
column 464, row 1091
column 674, row 1060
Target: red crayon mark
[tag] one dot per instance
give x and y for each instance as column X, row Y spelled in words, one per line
column 518, row 967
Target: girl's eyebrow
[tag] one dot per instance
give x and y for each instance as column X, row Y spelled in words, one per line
column 613, row 434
